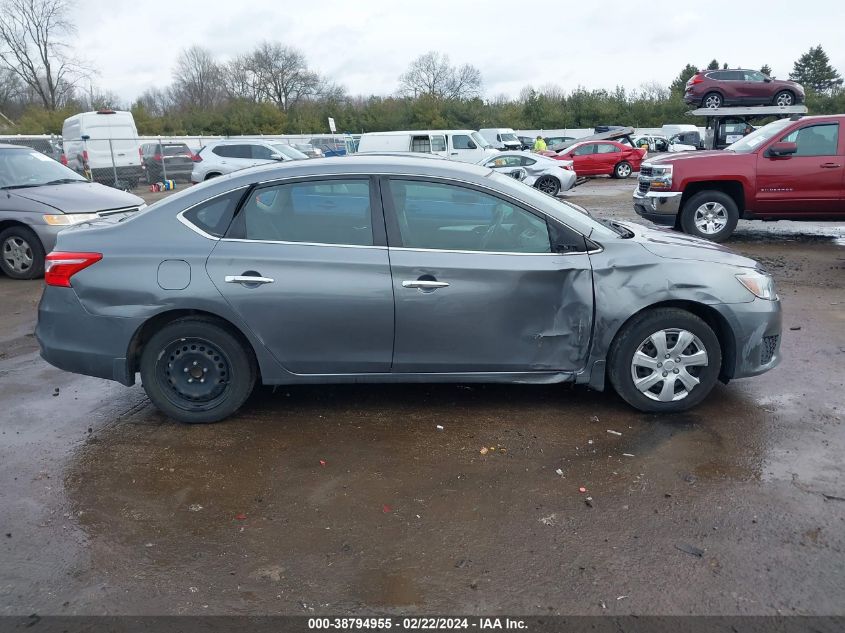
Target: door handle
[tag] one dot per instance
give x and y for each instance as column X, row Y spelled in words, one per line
column 830, row 165
column 424, row 284
column 247, row 279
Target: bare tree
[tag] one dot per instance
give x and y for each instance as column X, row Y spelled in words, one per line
column 155, row 101
column 432, row 74
column 240, row 78
column 283, row 75
column 32, row 47
column 197, row 78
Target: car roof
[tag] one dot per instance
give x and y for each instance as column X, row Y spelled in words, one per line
column 418, row 132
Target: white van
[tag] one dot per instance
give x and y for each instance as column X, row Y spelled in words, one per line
column 503, row 138
column 467, row 146
column 105, row 144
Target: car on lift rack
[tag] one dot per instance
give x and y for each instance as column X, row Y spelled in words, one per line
column 718, row 88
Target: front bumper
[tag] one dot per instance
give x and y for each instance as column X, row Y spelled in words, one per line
column 756, row 328
column 75, row 340
column 659, row 207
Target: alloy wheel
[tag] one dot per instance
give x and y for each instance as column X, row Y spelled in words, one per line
column 547, row 185
column 784, row 99
column 710, row 218
column 713, row 101
column 667, row 365
column 623, row 171
column 17, row 253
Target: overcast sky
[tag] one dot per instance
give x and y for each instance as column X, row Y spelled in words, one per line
column 365, row 45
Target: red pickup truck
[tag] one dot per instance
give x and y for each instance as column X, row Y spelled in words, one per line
column 790, row 169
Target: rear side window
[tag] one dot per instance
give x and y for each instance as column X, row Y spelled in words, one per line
column 815, row 140
column 214, row 216
column 233, row 151
column 322, row 212
column 606, row 148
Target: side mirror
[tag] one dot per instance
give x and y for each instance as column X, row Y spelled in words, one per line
column 783, row 149
column 767, row 79
column 276, row 157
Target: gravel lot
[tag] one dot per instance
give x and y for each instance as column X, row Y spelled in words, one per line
column 737, row 507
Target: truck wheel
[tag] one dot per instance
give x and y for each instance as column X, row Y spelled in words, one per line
column 712, row 100
column 622, row 170
column 711, row 215
column 664, row 360
column 21, row 253
column 784, row 98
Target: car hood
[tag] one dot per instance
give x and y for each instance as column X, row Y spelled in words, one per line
column 88, row 197
column 670, row 244
column 673, row 158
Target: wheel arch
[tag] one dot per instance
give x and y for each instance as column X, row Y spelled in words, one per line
column 711, row 317
column 149, row 327
column 733, row 188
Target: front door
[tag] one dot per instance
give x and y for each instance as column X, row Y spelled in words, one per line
column 465, row 149
column 322, row 299
column 808, row 182
column 477, row 286
column 584, row 160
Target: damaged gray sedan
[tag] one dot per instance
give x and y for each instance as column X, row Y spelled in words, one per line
column 392, row 269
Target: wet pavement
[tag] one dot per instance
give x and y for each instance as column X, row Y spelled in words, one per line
column 350, row 499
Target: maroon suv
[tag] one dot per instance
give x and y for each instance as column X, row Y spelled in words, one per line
column 717, row 88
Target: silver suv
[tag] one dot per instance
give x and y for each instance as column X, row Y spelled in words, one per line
column 224, row 157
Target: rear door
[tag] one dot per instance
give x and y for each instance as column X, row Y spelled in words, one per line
column 477, row 286
column 322, row 299
column 606, row 157
column 809, row 182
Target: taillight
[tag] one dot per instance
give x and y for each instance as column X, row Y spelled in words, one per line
column 156, row 156
column 695, row 79
column 196, row 158
column 140, row 155
column 63, row 160
column 85, row 156
column 59, row 267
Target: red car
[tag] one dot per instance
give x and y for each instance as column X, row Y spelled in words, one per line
column 717, row 88
column 602, row 158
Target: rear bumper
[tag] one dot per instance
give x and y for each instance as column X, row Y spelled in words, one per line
column 77, row 341
column 756, row 329
column 661, row 208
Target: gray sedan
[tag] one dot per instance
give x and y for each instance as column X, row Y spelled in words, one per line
column 42, row 197
column 549, row 175
column 389, row 269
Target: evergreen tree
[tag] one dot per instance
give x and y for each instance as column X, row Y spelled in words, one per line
column 681, row 80
column 766, row 70
column 713, row 65
column 813, row 71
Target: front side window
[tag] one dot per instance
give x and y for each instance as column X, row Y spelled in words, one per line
column 584, row 150
column 754, row 75
column 505, row 161
column 323, row 212
column 261, row 152
column 450, row 217
column 815, row 140
column 462, row 141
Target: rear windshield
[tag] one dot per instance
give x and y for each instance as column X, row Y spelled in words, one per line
column 176, row 149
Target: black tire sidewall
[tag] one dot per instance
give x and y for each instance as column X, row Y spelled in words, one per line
column 242, row 369
column 37, row 269
column 635, row 332
column 616, row 173
column 702, row 197
column 557, row 185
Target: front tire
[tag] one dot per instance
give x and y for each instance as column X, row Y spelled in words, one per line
column 196, row 371
column 664, row 361
column 548, row 185
column 784, row 98
column 623, row 170
column 710, row 215
column 21, row 253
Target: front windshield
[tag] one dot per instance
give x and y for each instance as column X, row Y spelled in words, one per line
column 28, row 168
column 565, row 212
column 759, row 136
column 508, row 136
column 288, row 151
column 480, row 140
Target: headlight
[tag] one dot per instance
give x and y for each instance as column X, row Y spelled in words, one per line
column 66, row 219
column 759, row 284
column 661, row 177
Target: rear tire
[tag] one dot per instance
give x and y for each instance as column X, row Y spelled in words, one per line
column 623, row 170
column 682, row 380
column 548, row 185
column 196, row 371
column 712, row 100
column 21, row 253
column 711, row 215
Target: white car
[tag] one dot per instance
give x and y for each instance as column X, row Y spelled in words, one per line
column 224, row 157
column 549, row 175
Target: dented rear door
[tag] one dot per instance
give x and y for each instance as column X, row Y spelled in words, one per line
column 464, row 302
